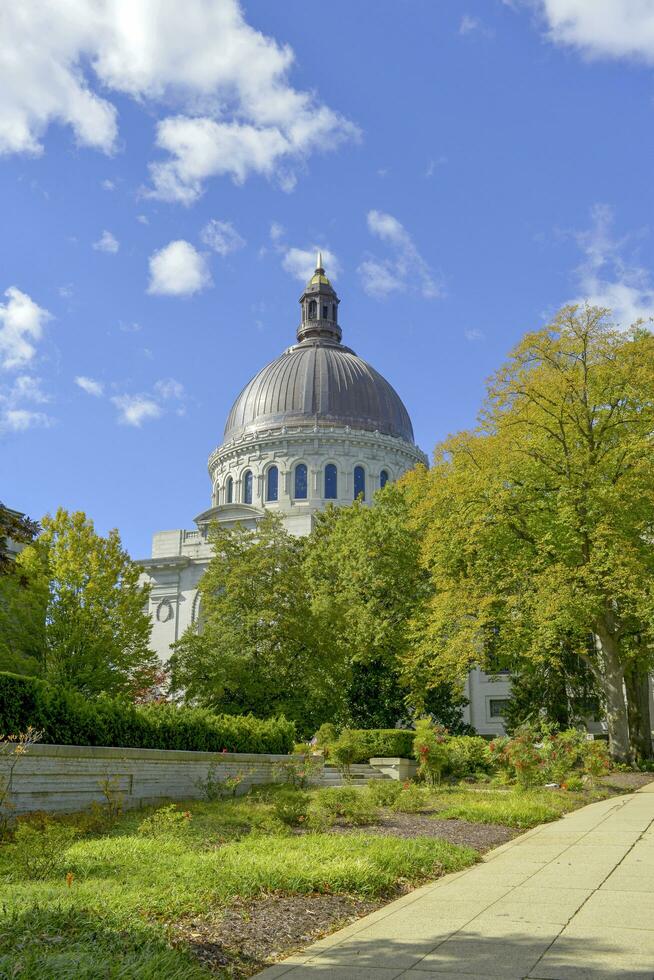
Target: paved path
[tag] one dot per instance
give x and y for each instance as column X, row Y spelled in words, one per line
column 572, row 900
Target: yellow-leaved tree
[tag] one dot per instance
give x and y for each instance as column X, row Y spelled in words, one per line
column 538, row 525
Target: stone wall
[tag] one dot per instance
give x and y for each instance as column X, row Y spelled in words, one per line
column 401, row 769
column 68, row 778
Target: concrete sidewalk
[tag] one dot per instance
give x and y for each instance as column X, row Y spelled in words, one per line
column 572, row 900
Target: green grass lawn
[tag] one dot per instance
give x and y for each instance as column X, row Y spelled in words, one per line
column 111, row 919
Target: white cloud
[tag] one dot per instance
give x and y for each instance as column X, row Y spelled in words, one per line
column 14, row 416
column 136, row 409
column 236, row 111
column 107, row 243
column 605, row 278
column 91, row 387
column 221, row 236
column 178, row 269
column 404, row 269
column 603, row 28
column 143, row 219
column 473, row 335
column 472, row 25
column 277, row 231
column 108, row 185
column 301, row 262
column 169, row 388
column 21, row 326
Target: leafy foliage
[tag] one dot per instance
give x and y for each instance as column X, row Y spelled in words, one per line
column 19, row 528
column 81, row 615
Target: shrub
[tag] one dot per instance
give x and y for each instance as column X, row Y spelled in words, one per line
column 40, row 846
column 430, row 749
column 346, row 750
column 326, row 735
column 520, row 758
column 292, row 807
column 167, row 821
column 383, row 792
column 67, row 718
column 347, row 804
column 595, row 759
column 299, row 772
column 467, row 755
column 561, row 752
column 412, row 799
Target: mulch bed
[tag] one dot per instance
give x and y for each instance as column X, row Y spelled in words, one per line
column 250, row 936
column 627, row 780
column 408, row 825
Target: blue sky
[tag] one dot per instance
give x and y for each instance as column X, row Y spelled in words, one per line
column 467, row 168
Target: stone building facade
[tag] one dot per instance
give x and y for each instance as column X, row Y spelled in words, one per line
column 317, row 425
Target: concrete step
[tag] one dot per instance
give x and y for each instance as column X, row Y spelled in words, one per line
column 360, row 774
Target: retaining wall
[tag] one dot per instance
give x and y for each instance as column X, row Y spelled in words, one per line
column 401, row 769
column 69, row 778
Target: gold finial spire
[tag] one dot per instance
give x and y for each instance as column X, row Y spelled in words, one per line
column 319, row 261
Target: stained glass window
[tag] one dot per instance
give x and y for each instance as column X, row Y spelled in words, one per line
column 247, row 487
column 331, row 482
column 300, row 482
column 272, row 483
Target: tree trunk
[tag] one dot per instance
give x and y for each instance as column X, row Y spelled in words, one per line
column 612, row 677
column 638, row 706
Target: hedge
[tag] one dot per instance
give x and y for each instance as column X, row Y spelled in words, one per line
column 383, row 743
column 68, row 718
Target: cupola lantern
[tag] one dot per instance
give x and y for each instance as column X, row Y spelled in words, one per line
column 319, row 304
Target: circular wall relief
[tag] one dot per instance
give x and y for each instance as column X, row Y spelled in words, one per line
column 164, row 611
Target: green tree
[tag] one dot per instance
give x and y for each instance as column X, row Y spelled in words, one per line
column 257, row 649
column 81, row 616
column 538, row 525
column 366, row 583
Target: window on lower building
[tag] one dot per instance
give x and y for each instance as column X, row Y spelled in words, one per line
column 359, row 482
column 497, row 707
column 272, row 483
column 331, row 482
column 230, row 490
column 301, row 483
column 383, row 478
column 247, row 487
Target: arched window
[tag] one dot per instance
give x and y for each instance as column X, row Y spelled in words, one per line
column 247, row 487
column 300, row 482
column 313, row 309
column 325, row 311
column 272, row 483
column 230, row 490
column 334, row 312
column 331, row 482
column 383, row 478
column 359, row 482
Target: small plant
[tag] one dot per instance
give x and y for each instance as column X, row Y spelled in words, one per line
column 167, row 821
column 347, row 804
column 40, row 846
column 114, row 798
column 298, row 772
column 467, row 755
column 292, row 807
column 573, row 783
column 12, row 749
column 430, row 749
column 383, row 792
column 411, row 799
column 561, row 752
column 520, row 758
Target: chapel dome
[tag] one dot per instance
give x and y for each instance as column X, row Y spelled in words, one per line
column 319, row 381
